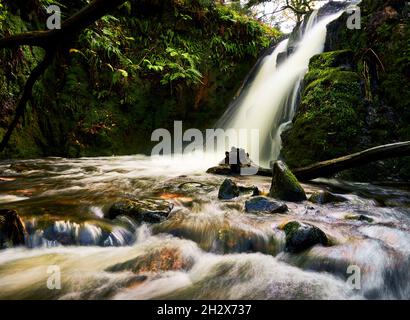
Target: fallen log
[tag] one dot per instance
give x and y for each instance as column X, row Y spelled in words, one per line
column 330, row 167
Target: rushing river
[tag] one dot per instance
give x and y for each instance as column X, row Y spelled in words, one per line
column 206, row 249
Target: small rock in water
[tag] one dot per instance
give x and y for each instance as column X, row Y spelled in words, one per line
column 254, row 190
column 228, row 190
column 302, row 236
column 358, row 217
column 157, row 260
column 285, row 186
column 149, row 210
column 263, row 204
column 12, row 230
column 323, row 197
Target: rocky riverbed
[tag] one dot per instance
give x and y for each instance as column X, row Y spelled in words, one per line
column 141, row 228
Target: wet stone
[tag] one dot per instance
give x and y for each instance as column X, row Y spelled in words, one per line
column 302, row 236
column 228, row 190
column 323, row 197
column 264, row 205
column 148, row 210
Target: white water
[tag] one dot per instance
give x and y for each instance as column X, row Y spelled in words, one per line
column 269, row 104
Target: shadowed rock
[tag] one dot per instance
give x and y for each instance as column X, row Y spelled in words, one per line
column 12, row 230
column 228, row 190
column 263, row 204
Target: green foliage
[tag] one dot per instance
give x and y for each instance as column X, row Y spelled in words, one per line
column 141, row 67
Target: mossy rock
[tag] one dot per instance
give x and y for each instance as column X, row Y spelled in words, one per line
column 302, row 236
column 285, row 186
column 323, row 197
column 148, row 210
column 331, row 113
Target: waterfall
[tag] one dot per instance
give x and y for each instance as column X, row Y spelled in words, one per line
column 269, row 102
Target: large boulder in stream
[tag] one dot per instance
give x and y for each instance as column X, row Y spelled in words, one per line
column 264, row 205
column 302, row 236
column 12, row 230
column 285, row 186
column 228, row 190
column 323, row 197
column 147, row 210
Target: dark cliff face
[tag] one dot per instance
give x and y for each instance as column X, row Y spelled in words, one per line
column 370, row 87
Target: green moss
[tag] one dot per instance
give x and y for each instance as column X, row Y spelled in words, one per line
column 330, row 116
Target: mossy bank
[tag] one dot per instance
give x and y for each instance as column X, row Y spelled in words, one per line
column 356, row 94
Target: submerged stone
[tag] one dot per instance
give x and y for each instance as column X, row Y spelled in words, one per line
column 285, row 186
column 359, row 217
column 228, row 190
column 158, row 260
column 264, row 204
column 323, row 197
column 302, row 236
column 148, row 210
column 12, row 230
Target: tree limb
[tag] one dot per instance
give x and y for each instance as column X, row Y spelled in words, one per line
column 52, row 41
column 71, row 27
column 19, row 112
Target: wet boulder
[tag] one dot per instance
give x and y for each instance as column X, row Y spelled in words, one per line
column 228, row 190
column 323, row 197
column 148, row 210
column 12, row 230
column 285, row 186
column 264, row 204
column 302, row 236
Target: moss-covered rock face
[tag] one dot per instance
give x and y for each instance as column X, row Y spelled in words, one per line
column 357, row 94
column 331, row 116
column 139, row 69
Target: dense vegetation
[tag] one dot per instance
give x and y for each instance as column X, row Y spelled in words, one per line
column 139, row 69
column 357, row 94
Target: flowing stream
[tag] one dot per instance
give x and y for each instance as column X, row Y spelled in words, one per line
column 206, row 248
